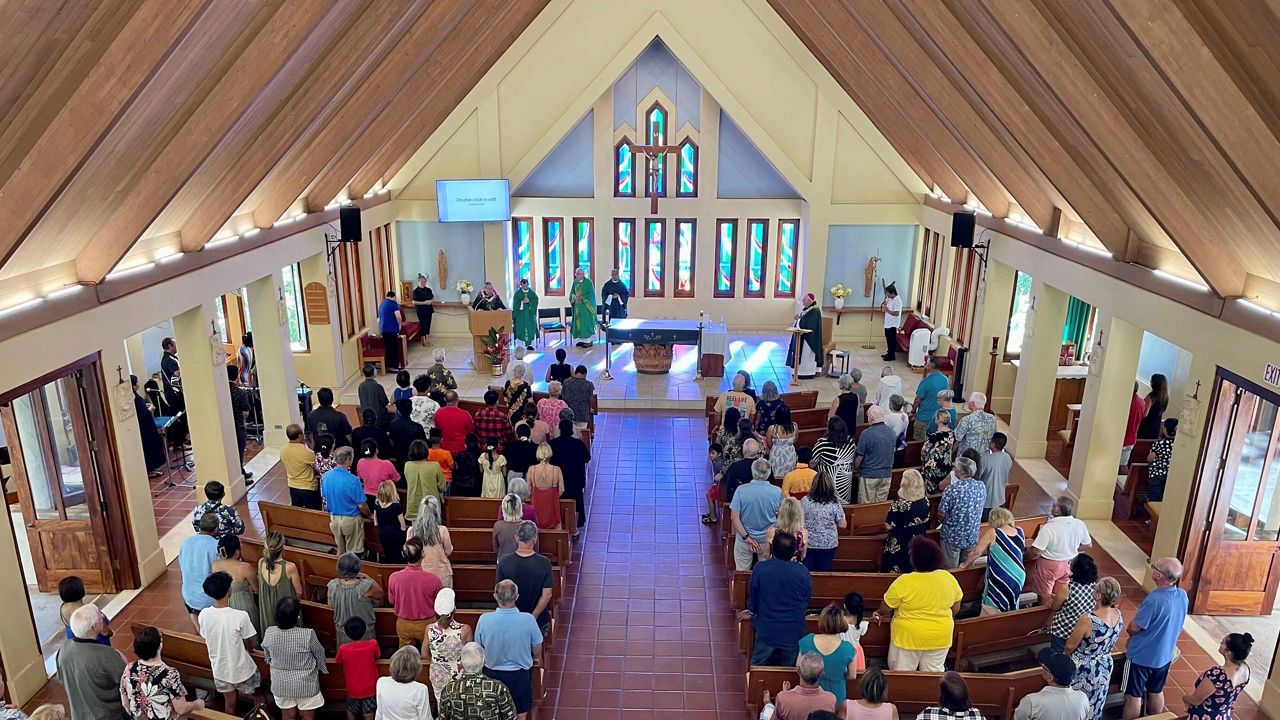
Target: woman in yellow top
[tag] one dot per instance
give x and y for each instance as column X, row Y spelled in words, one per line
column 922, row 605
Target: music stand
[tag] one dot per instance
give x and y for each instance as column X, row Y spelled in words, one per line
column 183, row 466
column 797, row 334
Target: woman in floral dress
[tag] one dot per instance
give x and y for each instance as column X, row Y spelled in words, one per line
column 1091, row 642
column 908, row 517
column 935, row 454
column 1217, row 688
column 445, row 638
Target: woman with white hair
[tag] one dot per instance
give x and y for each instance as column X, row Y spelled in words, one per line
column 517, row 391
column 437, row 546
column 890, row 385
column 440, row 377
column 473, row 694
column 850, row 404
column 975, row 429
column 549, row 407
column 400, row 696
column 445, row 639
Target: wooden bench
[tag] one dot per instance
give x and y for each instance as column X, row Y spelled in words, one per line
column 868, row 518
column 831, row 587
column 995, row 695
column 797, row 400
column 372, row 351
column 483, row 513
column 862, row 553
column 319, row 617
column 1133, row 493
column 311, row 526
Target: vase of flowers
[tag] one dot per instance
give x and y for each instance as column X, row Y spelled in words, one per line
column 840, row 292
column 496, row 346
column 464, row 288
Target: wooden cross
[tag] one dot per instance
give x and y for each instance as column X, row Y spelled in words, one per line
column 654, row 153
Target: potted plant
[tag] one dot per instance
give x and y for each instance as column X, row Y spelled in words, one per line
column 840, row 292
column 496, row 345
column 464, row 288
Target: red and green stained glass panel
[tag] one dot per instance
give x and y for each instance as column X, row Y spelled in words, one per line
column 584, row 233
column 688, row 169
column 655, row 232
column 686, row 237
column 522, row 248
column 785, row 277
column 726, row 257
column 624, row 176
column 656, row 134
column 757, row 249
column 553, row 255
column 624, row 246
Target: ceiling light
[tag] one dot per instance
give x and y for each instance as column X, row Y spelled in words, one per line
column 299, row 216
column 333, row 205
column 284, row 221
column 130, row 271
column 64, row 291
column 21, row 306
column 384, row 191
column 368, row 195
column 221, row 241
column 171, row 256
column 251, row 233
column 1087, row 248
column 1258, row 308
column 1178, row 279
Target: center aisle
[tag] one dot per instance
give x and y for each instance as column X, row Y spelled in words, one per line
column 645, row 628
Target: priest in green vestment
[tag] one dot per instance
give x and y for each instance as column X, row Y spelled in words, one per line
column 810, row 318
column 582, row 296
column 524, row 314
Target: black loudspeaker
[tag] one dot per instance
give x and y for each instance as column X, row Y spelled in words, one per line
column 349, row 221
column 961, row 230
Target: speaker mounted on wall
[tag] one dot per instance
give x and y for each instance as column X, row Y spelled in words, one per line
column 349, row 223
column 962, row 226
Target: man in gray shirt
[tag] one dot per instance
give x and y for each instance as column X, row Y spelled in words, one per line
column 576, row 392
column 993, row 471
column 874, row 459
column 373, row 396
column 1058, row 700
column 90, row 672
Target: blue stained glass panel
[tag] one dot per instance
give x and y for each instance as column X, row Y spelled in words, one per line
column 583, row 241
column 786, row 258
column 724, row 258
column 657, row 135
column 626, row 245
column 755, row 260
column 555, row 254
column 523, row 250
column 653, row 257
column 626, row 170
column 685, row 231
column 688, row 169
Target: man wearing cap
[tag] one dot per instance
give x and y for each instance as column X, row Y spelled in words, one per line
column 1058, row 700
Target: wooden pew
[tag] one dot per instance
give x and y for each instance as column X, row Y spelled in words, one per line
column 1133, row 493
column 483, row 513
column 319, row 617
column 475, row 545
column 995, row 695
column 868, row 518
column 311, row 526
column 797, row 400
column 861, row 553
column 829, row 587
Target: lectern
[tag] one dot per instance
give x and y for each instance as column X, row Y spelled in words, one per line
column 479, row 322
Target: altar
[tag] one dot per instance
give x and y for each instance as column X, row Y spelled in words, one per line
column 654, row 340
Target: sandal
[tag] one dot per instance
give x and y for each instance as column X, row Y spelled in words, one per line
column 707, row 519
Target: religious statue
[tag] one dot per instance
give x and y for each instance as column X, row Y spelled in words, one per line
column 810, row 318
column 524, row 314
column 869, row 277
column 615, row 295
column 582, row 298
column 442, row 269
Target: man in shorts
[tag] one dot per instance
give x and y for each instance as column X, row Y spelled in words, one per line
column 511, row 639
column 1153, row 638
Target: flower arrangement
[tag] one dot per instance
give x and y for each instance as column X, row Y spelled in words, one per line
column 841, row 291
column 496, row 345
column 464, row 286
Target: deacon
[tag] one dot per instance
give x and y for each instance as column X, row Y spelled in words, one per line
column 891, row 306
column 583, row 298
column 488, row 299
column 525, row 314
column 810, row 318
column 615, row 294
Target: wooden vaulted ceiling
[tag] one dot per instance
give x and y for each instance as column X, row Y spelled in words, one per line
column 179, row 120
column 1150, row 125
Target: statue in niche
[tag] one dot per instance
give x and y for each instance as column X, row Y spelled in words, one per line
column 442, row 269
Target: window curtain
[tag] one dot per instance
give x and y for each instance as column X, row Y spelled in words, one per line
column 1077, row 323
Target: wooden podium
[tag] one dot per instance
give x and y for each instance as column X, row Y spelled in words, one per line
column 478, row 323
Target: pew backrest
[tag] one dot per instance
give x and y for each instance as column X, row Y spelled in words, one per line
column 483, row 512
column 830, row 587
column 311, row 526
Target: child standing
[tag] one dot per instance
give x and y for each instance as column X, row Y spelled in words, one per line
column 715, row 455
column 437, row 454
column 324, row 455
column 229, row 635
column 796, row 483
column 402, row 391
column 388, row 515
column 494, row 468
column 359, row 662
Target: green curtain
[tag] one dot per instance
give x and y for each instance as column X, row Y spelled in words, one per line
column 1077, row 323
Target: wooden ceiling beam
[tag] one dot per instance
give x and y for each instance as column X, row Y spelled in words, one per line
column 893, row 88
column 825, row 45
column 1051, row 79
column 1248, row 51
column 329, row 87
column 1078, row 171
column 59, row 147
column 446, row 87
column 988, row 141
column 255, row 66
column 299, row 169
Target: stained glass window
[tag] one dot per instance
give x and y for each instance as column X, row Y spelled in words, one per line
column 688, row 169
column 656, row 134
column 757, row 248
column 785, row 272
column 686, row 237
column 584, row 233
column 553, row 255
column 624, row 165
column 726, row 257
column 655, row 232
column 624, row 246
column 522, row 249
column 295, row 311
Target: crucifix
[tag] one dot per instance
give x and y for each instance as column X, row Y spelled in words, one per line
column 654, row 154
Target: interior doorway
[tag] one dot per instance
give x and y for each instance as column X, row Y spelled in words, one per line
column 1232, row 530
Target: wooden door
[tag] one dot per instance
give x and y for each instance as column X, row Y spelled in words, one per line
column 55, row 466
column 1240, row 565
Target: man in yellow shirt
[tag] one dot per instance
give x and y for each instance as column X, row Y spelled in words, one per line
column 796, row 483
column 923, row 605
column 300, row 468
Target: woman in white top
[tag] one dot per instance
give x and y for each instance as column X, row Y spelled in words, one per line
column 890, row 384
column 401, row 696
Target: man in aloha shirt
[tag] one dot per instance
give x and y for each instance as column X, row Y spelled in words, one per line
column 961, row 511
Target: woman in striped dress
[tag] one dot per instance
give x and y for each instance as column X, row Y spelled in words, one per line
column 1004, row 544
column 833, row 456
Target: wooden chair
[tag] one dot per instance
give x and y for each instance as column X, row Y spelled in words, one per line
column 552, row 320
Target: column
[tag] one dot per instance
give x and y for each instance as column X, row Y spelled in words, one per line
column 277, row 379
column 1100, row 435
column 1194, row 421
column 993, row 323
column 204, row 385
column 1038, row 372
column 23, row 665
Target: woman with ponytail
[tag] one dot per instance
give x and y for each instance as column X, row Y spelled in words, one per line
column 1218, row 687
column 277, row 578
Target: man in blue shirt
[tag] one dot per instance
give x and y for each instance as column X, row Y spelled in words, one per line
column 196, row 557
column 389, row 324
column 874, row 459
column 344, row 498
column 753, row 510
column 1153, row 636
column 777, row 600
column 926, row 403
column 511, row 639
column 961, row 512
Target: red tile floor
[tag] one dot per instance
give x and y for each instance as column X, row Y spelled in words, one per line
column 645, row 630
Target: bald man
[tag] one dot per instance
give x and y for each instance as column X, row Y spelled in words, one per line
column 1153, row 639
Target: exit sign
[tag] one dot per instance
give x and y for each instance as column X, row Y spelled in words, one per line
column 1271, row 375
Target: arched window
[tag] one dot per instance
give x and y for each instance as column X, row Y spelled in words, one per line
column 624, row 165
column 655, row 121
column 688, row 169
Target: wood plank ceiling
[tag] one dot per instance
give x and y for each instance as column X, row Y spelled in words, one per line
column 162, row 124
column 1151, row 127
column 1148, row 127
